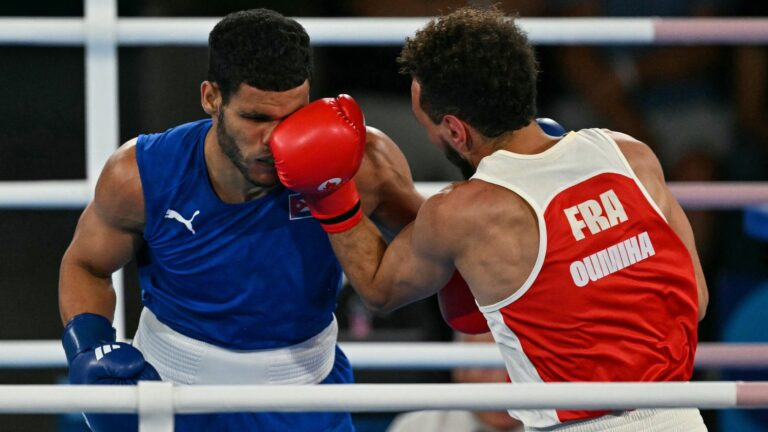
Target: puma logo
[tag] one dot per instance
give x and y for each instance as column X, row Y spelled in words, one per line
column 173, row 214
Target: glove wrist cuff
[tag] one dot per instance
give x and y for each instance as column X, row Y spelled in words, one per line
column 342, row 222
column 337, row 211
column 85, row 331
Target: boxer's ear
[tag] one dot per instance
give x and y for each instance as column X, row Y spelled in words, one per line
column 456, row 133
column 210, row 97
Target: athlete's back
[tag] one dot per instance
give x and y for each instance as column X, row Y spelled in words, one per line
column 581, row 274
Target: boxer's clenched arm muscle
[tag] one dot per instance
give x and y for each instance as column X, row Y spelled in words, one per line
column 415, row 265
column 648, row 169
column 107, row 235
column 386, row 187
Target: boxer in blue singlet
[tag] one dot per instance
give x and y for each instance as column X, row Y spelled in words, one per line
column 238, row 280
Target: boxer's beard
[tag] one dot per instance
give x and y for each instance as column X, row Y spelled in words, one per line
column 466, row 168
column 232, row 151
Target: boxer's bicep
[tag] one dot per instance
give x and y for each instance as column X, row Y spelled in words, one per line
column 422, row 256
column 419, row 267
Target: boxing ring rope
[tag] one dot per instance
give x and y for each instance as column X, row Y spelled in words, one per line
column 75, row 194
column 156, row 402
column 384, row 397
column 393, row 31
column 407, row 355
column 692, row 195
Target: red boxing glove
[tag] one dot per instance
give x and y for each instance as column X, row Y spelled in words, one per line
column 457, row 304
column 317, row 151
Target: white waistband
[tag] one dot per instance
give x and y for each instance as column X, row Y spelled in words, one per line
column 641, row 420
column 184, row 360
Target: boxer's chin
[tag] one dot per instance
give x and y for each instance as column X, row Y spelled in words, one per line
column 261, row 174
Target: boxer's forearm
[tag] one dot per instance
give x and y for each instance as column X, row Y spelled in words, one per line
column 388, row 276
column 84, row 287
column 360, row 252
column 80, row 291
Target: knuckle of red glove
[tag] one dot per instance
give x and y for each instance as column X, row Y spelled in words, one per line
column 319, row 147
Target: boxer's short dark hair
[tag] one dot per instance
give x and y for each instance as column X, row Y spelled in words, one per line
column 476, row 64
column 261, row 48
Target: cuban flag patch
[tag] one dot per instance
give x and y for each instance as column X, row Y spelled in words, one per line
column 297, row 207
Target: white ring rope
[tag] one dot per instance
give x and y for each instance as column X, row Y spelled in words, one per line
column 75, row 194
column 407, row 355
column 386, row 397
column 393, row 31
column 711, row 195
column 156, row 402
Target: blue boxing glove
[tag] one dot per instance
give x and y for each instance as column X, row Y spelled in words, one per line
column 95, row 358
column 550, row 127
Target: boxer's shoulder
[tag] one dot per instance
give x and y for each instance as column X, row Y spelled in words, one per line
column 121, row 165
column 449, row 210
column 455, row 214
column 119, row 196
column 636, row 151
column 643, row 162
column 468, row 199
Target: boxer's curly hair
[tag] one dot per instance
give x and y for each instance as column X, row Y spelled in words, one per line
column 261, row 48
column 475, row 64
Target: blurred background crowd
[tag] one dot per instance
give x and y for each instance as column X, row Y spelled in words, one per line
column 702, row 108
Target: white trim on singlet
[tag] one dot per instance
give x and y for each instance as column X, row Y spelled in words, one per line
column 521, row 370
column 556, row 148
